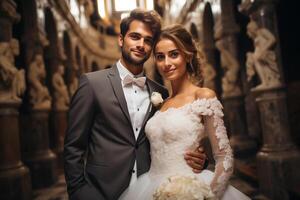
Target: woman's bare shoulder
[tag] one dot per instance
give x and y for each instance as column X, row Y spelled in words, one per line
column 206, row 93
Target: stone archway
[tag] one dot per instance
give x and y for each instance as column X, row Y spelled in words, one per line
column 79, row 60
column 28, row 26
column 51, row 51
column 95, row 66
column 86, row 65
column 69, row 62
column 194, row 32
column 212, row 55
column 74, row 70
column 57, row 118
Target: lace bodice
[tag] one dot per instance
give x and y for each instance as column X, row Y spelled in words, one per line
column 172, row 132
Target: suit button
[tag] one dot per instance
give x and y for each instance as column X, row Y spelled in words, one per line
column 136, row 146
column 133, row 171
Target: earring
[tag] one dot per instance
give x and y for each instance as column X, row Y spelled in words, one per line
column 191, row 66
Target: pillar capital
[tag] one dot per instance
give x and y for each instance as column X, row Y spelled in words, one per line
column 247, row 7
column 8, row 10
column 225, row 27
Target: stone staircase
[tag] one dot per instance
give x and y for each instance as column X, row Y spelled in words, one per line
column 246, row 180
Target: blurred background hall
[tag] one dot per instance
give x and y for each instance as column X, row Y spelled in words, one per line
column 252, row 50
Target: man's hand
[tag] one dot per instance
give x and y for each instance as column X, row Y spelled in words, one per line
column 196, row 159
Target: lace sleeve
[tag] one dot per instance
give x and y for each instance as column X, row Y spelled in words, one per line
column 216, row 131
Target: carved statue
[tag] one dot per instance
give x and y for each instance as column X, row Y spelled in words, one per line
column 88, row 8
column 38, row 92
column 12, row 80
column 61, row 96
column 74, row 82
column 263, row 60
column 231, row 67
column 61, row 52
column 209, row 74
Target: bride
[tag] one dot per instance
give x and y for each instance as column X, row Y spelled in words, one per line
column 182, row 122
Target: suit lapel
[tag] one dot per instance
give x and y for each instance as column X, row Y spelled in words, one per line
column 118, row 90
column 115, row 80
column 150, row 109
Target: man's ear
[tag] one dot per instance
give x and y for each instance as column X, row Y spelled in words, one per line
column 120, row 40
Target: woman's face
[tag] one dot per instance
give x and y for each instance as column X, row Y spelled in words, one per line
column 170, row 61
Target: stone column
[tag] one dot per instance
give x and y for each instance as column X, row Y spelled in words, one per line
column 15, row 180
column 74, row 80
column 208, row 70
column 61, row 102
column 59, row 123
column 232, row 96
column 278, row 160
column 55, row 58
column 37, row 102
column 36, row 152
column 35, row 136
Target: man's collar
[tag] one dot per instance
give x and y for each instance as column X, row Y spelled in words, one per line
column 123, row 71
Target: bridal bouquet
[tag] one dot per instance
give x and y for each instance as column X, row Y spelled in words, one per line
column 183, row 187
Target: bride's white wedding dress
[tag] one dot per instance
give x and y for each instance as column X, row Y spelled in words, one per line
column 174, row 131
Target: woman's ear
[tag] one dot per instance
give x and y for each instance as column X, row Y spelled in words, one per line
column 188, row 59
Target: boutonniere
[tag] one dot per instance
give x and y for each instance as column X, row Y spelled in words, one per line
column 156, row 99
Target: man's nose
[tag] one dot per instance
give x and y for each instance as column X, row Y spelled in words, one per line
column 141, row 43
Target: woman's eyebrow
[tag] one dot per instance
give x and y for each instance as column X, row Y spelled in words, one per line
column 171, row 51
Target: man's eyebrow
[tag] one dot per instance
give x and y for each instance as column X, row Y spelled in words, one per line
column 135, row 33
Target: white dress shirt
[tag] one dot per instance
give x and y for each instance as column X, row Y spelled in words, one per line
column 138, row 100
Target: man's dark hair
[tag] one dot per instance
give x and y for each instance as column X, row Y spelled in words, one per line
column 151, row 18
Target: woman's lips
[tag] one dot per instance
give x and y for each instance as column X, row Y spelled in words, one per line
column 169, row 71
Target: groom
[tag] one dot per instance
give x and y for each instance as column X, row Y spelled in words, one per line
column 105, row 145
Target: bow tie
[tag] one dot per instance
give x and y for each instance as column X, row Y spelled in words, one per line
column 138, row 81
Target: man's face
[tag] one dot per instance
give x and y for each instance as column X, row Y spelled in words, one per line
column 137, row 43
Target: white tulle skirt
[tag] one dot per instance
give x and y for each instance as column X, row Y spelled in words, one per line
column 146, row 185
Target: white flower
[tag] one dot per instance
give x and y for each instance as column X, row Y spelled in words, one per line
column 156, row 99
column 183, row 187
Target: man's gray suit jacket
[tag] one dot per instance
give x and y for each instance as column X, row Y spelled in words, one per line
column 100, row 147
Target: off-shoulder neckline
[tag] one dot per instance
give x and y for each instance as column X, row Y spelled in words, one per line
column 187, row 104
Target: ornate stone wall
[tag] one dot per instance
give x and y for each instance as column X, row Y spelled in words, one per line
column 44, row 48
column 249, row 81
